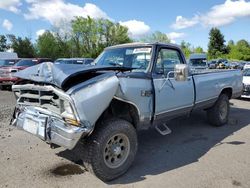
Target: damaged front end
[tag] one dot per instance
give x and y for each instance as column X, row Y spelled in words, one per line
column 62, row 117
column 49, row 114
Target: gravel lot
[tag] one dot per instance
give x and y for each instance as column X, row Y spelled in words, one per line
column 194, row 155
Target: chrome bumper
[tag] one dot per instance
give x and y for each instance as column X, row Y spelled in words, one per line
column 47, row 127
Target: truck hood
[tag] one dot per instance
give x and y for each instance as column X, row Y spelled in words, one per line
column 61, row 74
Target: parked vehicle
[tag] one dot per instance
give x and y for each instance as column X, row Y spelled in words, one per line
column 223, row 64
column 132, row 87
column 77, row 61
column 247, row 65
column 7, row 77
column 8, row 62
column 198, row 61
column 246, row 84
column 8, row 55
column 212, row 64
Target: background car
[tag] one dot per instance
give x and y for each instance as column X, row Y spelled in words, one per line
column 7, row 77
column 8, row 62
column 246, row 84
column 223, row 64
column 77, row 61
column 198, row 61
column 247, row 65
column 212, row 64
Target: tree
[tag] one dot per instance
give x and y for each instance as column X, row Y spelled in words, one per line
column 52, row 46
column 240, row 50
column 91, row 36
column 186, row 48
column 157, row 36
column 3, row 43
column 198, row 50
column 216, row 46
column 23, row 47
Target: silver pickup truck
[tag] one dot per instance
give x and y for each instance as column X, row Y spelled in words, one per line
column 131, row 87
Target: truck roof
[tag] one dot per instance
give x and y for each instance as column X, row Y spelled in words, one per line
column 198, row 56
column 135, row 44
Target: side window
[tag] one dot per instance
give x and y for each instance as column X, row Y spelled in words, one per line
column 166, row 60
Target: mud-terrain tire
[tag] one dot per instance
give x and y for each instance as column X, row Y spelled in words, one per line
column 218, row 114
column 111, row 149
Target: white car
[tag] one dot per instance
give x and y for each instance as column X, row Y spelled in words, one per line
column 246, row 83
column 247, row 66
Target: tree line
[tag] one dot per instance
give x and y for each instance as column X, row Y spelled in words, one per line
column 87, row 37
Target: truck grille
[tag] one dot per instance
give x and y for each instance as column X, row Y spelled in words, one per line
column 46, row 99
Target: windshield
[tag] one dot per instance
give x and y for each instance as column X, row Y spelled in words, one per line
column 26, row 62
column 198, row 62
column 6, row 63
column 130, row 57
column 246, row 72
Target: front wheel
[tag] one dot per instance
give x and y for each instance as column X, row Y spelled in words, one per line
column 111, row 149
column 218, row 114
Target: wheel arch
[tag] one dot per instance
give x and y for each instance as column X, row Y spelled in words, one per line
column 122, row 109
column 228, row 91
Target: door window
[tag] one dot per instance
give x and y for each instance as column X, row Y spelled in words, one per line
column 166, row 60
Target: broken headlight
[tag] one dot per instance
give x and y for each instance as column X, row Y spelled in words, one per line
column 68, row 114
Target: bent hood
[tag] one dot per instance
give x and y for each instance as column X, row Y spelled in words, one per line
column 59, row 74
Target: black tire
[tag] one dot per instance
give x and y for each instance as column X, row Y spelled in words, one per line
column 97, row 144
column 218, row 114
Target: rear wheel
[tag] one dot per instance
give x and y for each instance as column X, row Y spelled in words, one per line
column 218, row 114
column 111, row 149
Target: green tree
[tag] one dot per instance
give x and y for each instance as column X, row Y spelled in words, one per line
column 22, row 46
column 186, row 48
column 216, row 46
column 198, row 50
column 240, row 50
column 3, row 43
column 91, row 36
column 52, row 46
column 157, row 36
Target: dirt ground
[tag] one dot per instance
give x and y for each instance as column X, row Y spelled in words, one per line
column 194, row 155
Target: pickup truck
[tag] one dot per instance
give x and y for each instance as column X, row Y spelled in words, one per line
column 131, row 87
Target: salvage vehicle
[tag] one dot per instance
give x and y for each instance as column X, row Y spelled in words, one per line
column 132, row 87
column 7, row 77
column 246, row 84
column 198, row 61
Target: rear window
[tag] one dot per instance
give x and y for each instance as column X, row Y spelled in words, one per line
column 8, row 62
column 26, row 62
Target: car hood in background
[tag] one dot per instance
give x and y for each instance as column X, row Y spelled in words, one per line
column 59, row 74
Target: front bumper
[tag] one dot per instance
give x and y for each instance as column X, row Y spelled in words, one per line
column 48, row 127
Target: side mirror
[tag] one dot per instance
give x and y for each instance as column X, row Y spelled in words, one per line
column 181, row 72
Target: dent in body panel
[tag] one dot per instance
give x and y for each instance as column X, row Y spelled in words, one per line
column 130, row 91
column 91, row 100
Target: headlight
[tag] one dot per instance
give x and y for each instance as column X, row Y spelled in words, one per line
column 68, row 114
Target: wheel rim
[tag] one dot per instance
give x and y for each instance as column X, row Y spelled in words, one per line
column 223, row 110
column 116, row 150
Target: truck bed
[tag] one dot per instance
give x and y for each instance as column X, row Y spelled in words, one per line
column 210, row 83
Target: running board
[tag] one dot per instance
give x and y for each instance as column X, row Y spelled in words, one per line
column 163, row 129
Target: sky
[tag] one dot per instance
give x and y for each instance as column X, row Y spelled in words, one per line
column 179, row 19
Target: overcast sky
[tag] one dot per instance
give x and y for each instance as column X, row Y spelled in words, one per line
column 181, row 20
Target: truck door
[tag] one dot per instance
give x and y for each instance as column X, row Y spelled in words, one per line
column 172, row 98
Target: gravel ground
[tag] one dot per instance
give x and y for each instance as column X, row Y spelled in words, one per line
column 194, row 155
